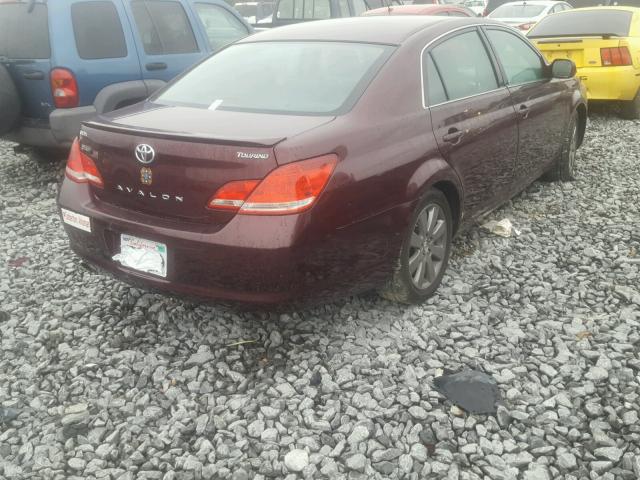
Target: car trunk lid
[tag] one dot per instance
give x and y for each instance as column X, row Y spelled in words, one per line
column 26, row 52
column 196, row 151
column 585, row 51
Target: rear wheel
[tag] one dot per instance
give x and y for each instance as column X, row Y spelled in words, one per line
column 9, row 102
column 425, row 252
column 565, row 168
column 631, row 110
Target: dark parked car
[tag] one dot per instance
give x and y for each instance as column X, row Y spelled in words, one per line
column 315, row 169
column 63, row 61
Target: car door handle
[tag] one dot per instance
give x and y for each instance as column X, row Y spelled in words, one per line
column 156, row 66
column 453, row 136
column 33, row 75
column 524, row 110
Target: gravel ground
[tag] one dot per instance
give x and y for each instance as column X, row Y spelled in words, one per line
column 101, row 380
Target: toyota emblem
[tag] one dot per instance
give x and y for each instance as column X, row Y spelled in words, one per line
column 145, row 153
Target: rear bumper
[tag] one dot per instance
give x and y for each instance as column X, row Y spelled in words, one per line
column 252, row 259
column 610, row 83
column 62, row 128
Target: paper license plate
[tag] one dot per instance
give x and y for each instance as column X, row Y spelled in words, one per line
column 76, row 220
column 142, row 255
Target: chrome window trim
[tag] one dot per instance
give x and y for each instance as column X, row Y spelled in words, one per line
column 469, row 96
column 439, row 37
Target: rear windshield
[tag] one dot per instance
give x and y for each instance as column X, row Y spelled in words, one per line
column 579, row 23
column 24, row 33
column 517, row 11
column 303, row 78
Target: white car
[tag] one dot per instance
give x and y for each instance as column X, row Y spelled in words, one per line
column 524, row 15
column 476, row 6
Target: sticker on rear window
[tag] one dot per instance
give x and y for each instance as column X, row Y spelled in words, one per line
column 76, row 220
column 215, row 104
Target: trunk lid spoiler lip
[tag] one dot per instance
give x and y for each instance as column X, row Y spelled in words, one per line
column 182, row 136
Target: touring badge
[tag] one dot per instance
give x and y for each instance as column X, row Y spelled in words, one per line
column 146, row 177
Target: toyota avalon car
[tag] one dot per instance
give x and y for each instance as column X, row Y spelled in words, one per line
column 321, row 159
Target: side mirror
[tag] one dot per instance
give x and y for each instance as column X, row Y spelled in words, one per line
column 563, row 68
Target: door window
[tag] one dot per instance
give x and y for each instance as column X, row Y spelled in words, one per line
column 24, row 31
column 520, row 62
column 221, row 26
column 98, row 31
column 163, row 27
column 464, row 65
column 435, row 90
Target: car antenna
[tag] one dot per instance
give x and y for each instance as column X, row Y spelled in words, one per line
column 32, row 5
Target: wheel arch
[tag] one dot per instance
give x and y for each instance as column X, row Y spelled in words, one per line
column 438, row 174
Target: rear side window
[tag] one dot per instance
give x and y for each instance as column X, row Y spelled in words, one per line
column 24, row 34
column 98, row 31
column 464, row 65
column 520, row 63
column 434, row 88
column 578, row 23
column 221, row 26
column 163, row 27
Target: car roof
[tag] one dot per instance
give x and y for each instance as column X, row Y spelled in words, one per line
column 391, row 30
column 415, row 9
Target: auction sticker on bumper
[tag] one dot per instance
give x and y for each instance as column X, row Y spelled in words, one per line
column 76, row 220
column 142, row 255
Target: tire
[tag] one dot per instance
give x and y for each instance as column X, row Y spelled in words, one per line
column 565, row 168
column 408, row 284
column 631, row 110
column 10, row 107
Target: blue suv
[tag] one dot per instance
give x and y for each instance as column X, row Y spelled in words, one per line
column 64, row 61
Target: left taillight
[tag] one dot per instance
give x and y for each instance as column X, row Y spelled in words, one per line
column 64, row 88
column 81, row 168
column 291, row 188
column 615, row 57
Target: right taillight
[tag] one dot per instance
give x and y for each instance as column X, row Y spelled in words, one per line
column 64, row 88
column 615, row 57
column 81, row 168
column 291, row 188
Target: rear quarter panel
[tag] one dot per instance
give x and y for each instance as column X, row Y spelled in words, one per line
column 91, row 75
column 387, row 150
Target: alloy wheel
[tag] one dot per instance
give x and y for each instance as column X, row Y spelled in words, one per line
column 428, row 246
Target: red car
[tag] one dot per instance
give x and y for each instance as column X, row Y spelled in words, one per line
column 433, row 9
column 297, row 163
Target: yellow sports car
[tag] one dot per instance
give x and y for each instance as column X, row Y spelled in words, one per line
column 604, row 43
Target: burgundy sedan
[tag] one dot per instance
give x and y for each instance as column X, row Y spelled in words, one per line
column 321, row 159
